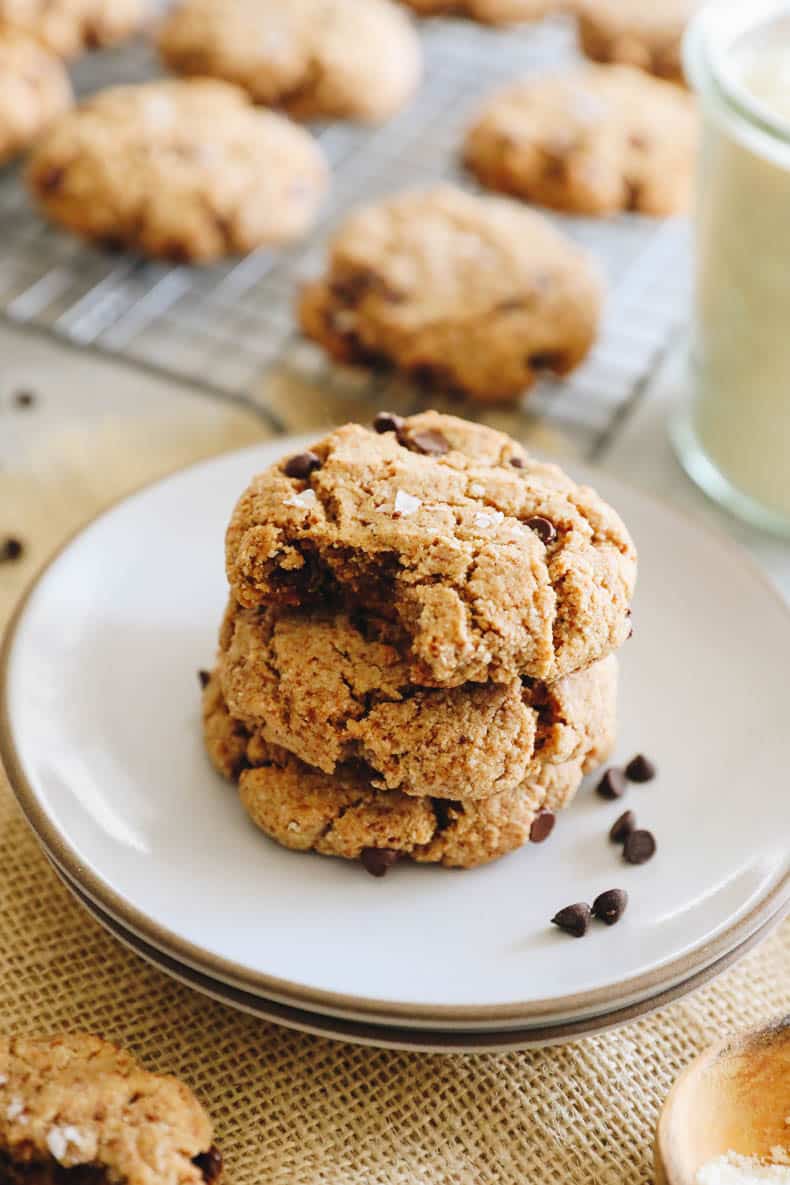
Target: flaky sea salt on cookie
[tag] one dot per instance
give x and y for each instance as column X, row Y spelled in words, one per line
column 189, row 171
column 489, row 564
column 591, row 140
column 75, row 1108
column 467, row 293
column 338, row 59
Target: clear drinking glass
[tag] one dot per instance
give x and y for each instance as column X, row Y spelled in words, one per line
column 733, row 436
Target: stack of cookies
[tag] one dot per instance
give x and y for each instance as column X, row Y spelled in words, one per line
column 417, row 659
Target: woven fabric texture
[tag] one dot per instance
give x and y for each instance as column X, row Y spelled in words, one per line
column 292, row 1109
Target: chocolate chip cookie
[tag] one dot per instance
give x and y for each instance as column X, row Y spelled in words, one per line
column 486, row 563
column 342, row 814
column 314, row 58
column 34, row 90
column 189, row 171
column 488, row 12
column 637, row 33
column 75, row 1108
column 67, row 27
column 472, row 294
column 593, row 140
column 331, row 692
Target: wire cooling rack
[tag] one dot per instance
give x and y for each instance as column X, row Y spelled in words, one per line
column 230, row 329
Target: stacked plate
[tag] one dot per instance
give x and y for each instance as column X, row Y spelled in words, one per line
column 100, row 735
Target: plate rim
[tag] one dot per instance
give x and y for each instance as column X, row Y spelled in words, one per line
column 338, row 1003
column 390, row 1036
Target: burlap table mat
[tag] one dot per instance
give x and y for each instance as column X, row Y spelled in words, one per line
column 291, row 1108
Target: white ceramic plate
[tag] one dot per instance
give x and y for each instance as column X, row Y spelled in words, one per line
column 393, row 1037
column 101, row 740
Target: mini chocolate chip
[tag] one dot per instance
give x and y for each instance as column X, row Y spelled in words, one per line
column 542, row 826
column 573, row 919
column 546, row 360
column 203, row 678
column 609, row 907
column 432, row 443
column 11, row 549
column 543, row 528
column 51, row 178
column 446, row 810
column 301, row 465
column 209, row 1163
column 24, row 399
column 387, row 421
column 622, row 827
column 612, row 784
column 640, row 769
column 378, row 861
column 639, row 847
column 517, row 462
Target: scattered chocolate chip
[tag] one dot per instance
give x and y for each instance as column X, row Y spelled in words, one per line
column 210, row 1164
column 612, row 784
column 10, row 549
column 50, row 179
column 622, row 827
column 24, row 398
column 543, row 528
column 203, row 678
column 517, row 462
column 640, row 769
column 387, row 421
column 542, row 826
column 432, row 443
column 639, row 847
column 301, row 465
column 630, row 634
column 378, row 861
column 573, row 919
column 609, row 907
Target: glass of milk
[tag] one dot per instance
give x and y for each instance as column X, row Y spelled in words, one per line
column 734, row 436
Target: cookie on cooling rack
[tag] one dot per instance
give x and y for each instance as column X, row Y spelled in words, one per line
column 67, row 27
column 183, row 170
column 473, row 294
column 487, row 563
column 593, row 140
column 338, row 59
column 34, row 90
column 342, row 814
column 488, row 12
column 75, row 1108
column 637, row 33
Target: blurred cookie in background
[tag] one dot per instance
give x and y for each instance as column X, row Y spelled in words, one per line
column 68, row 27
column 187, row 171
column 488, row 12
column 593, row 140
column 34, row 90
column 637, row 33
column 475, row 295
column 340, row 59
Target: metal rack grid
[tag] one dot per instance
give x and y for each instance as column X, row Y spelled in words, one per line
column 227, row 329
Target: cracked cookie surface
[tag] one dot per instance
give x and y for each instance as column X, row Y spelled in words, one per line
column 636, row 33
column 329, row 692
column 75, row 1108
column 488, row 12
column 464, row 292
column 189, row 171
column 313, row 58
column 68, row 27
column 341, row 814
column 594, row 140
column 487, row 563
column 34, row 90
